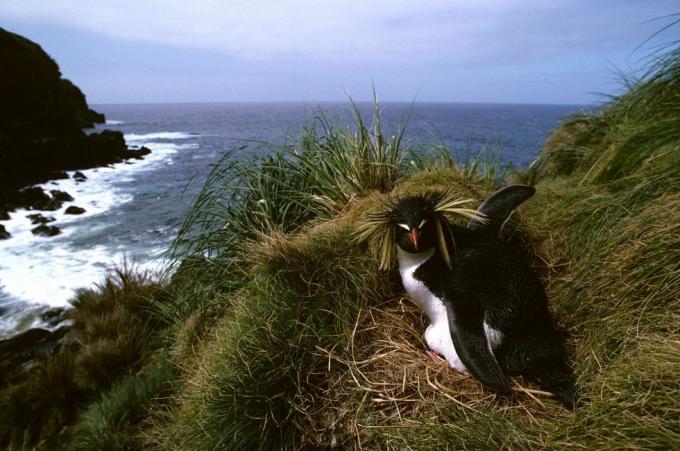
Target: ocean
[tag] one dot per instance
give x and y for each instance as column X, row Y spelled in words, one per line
column 133, row 209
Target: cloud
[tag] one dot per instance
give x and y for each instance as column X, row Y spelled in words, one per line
column 378, row 31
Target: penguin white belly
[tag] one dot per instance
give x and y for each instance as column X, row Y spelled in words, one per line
column 437, row 334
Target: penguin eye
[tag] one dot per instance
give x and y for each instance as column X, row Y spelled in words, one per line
column 422, row 223
column 404, row 226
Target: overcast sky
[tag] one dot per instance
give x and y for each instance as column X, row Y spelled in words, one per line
column 539, row 51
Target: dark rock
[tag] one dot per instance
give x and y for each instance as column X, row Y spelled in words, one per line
column 4, row 234
column 53, row 317
column 59, row 175
column 41, row 122
column 45, row 230
column 141, row 152
column 73, row 210
column 52, row 205
column 4, row 216
column 42, row 101
column 35, row 161
column 97, row 118
column 24, row 342
column 34, row 198
column 61, row 195
column 18, row 354
column 37, row 218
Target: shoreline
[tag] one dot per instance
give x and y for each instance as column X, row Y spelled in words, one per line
column 105, row 148
column 24, row 301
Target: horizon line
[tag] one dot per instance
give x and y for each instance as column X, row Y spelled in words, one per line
column 348, row 101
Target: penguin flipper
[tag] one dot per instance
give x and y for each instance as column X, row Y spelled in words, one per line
column 559, row 381
column 473, row 349
column 500, row 205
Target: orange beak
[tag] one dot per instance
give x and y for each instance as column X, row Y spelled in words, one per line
column 414, row 234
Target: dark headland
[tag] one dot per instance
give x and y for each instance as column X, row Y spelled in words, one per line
column 42, row 117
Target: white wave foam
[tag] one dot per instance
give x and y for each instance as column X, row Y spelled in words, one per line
column 18, row 317
column 48, row 270
column 113, row 122
column 158, row 135
column 54, row 270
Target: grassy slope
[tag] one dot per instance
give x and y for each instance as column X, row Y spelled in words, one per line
column 278, row 369
column 114, row 336
column 319, row 348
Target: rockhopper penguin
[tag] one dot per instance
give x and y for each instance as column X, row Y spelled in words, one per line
column 488, row 310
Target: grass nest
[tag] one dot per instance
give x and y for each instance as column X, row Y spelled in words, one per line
column 390, row 382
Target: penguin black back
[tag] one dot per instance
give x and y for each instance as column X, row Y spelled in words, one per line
column 514, row 299
column 532, row 347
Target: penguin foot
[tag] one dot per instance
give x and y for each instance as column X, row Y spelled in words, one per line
column 434, row 356
column 456, row 364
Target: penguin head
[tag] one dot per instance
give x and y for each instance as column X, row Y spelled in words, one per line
column 415, row 224
column 414, row 220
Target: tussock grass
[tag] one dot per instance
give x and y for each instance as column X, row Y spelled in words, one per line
column 113, row 421
column 113, row 324
column 288, row 187
column 278, row 367
column 274, row 241
column 341, row 163
column 260, row 376
column 35, row 410
column 609, row 220
column 113, row 334
column 330, row 167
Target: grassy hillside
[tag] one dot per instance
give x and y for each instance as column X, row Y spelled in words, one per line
column 278, row 331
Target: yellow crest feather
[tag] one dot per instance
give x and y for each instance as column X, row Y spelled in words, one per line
column 379, row 229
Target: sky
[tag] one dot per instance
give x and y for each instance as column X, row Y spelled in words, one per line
column 505, row 51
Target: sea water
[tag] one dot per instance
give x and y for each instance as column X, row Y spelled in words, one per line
column 134, row 209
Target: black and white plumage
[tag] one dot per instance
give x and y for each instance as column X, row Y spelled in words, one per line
column 488, row 310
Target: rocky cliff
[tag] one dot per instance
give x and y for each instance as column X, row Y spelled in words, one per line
column 41, row 120
column 35, row 99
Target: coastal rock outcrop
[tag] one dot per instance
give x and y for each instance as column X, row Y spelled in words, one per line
column 74, row 210
column 141, row 152
column 37, row 218
column 41, row 120
column 21, row 353
column 4, row 234
column 62, row 196
column 35, row 198
column 45, row 230
column 35, row 97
